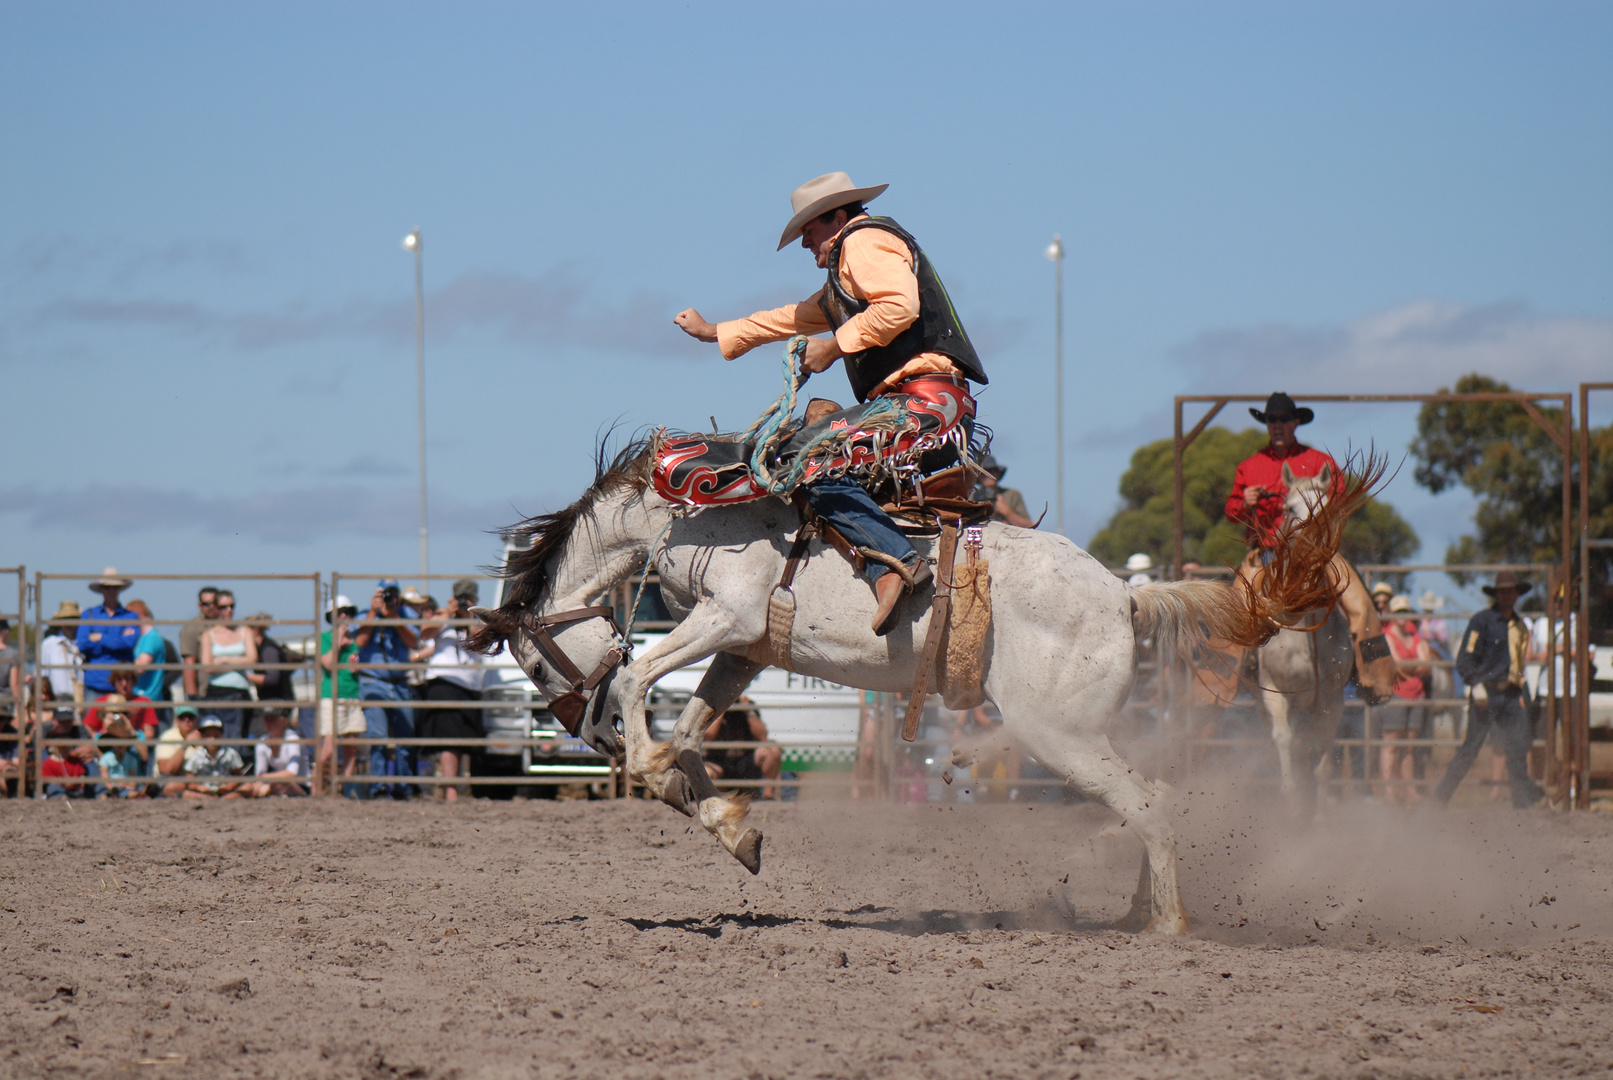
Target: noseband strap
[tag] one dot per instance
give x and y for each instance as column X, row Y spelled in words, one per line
column 570, row 707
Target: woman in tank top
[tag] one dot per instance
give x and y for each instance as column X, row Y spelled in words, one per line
column 228, row 651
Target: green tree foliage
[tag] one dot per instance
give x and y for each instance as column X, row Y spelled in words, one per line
column 1376, row 534
column 1498, row 452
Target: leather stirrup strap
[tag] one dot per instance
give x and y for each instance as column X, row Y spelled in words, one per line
column 940, row 610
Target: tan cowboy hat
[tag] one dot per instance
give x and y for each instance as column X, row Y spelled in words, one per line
column 820, row 195
column 1506, row 579
column 68, row 609
column 110, row 579
column 1383, row 588
column 1400, row 603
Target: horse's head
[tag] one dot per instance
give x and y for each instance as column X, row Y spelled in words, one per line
column 568, row 647
column 1306, row 494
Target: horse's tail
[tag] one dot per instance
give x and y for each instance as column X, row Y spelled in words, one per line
column 1187, row 616
column 1184, row 616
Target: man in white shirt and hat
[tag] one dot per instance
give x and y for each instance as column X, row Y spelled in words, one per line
column 890, row 320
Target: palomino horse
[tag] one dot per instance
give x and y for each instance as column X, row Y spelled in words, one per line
column 1059, row 655
column 1303, row 671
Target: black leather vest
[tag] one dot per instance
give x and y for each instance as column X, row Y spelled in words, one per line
column 936, row 330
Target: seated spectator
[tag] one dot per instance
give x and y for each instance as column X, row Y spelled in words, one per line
column 742, row 724
column 208, row 761
column 171, row 746
column 108, row 634
column 120, row 762
column 453, row 673
column 228, row 650
column 279, row 763
column 345, row 720
column 143, row 718
column 150, row 653
column 68, row 762
column 59, row 659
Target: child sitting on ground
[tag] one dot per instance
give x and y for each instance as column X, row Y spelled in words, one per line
column 208, row 760
column 279, row 763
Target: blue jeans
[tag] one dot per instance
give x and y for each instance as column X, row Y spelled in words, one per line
column 387, row 722
column 857, row 517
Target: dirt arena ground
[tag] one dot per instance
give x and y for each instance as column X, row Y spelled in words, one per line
column 333, row 939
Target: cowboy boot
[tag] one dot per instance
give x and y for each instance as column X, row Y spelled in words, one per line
column 1374, row 667
column 889, row 590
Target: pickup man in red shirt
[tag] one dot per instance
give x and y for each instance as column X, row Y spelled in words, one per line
column 1259, row 494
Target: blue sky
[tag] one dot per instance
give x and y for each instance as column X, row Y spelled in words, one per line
column 206, row 322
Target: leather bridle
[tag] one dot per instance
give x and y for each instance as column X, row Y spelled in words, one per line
column 570, row 707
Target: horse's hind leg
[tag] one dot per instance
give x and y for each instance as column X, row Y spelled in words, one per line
column 1093, row 767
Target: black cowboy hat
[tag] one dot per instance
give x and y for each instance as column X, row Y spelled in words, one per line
column 1280, row 407
column 989, row 463
column 1506, row 579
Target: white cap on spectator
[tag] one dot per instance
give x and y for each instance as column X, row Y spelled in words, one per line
column 336, row 605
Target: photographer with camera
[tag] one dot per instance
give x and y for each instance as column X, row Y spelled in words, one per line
column 453, row 674
column 386, row 645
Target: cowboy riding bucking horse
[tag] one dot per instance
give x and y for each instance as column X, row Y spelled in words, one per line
column 894, row 326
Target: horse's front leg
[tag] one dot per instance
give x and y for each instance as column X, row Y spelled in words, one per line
column 673, row 772
column 1282, row 732
column 719, row 688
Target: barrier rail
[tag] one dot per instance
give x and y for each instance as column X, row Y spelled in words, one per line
column 876, row 765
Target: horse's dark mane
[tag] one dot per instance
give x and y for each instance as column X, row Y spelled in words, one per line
column 540, row 537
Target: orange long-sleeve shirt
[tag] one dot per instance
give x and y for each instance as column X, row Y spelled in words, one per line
column 875, row 266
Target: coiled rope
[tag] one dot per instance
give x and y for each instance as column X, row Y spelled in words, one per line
column 769, row 431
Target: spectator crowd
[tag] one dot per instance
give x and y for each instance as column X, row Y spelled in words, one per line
column 128, row 713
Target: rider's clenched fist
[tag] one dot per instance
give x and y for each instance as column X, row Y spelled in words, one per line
column 694, row 325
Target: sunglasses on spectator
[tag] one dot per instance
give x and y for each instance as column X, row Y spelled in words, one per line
column 223, row 604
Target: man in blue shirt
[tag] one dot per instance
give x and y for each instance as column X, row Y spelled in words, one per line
column 386, row 645
column 100, row 641
column 1491, row 661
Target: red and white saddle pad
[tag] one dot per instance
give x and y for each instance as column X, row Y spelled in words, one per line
column 936, row 414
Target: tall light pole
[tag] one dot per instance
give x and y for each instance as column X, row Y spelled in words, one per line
column 413, row 243
column 1055, row 252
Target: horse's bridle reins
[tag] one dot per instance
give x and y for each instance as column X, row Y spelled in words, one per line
column 570, row 707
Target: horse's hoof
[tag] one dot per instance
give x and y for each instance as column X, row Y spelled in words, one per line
column 749, row 850
column 1170, row 926
column 677, row 793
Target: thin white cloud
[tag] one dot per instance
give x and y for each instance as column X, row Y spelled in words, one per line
column 287, row 516
column 1414, row 347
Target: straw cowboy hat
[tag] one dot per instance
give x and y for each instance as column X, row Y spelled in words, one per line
column 1506, row 579
column 110, row 579
column 1400, row 603
column 67, row 609
column 820, row 195
column 1280, row 407
column 1383, row 588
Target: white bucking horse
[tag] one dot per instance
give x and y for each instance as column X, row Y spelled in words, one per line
column 1303, row 671
column 1059, row 656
